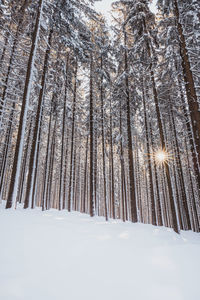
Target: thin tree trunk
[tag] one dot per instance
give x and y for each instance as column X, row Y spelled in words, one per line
column 24, row 163
column 112, row 203
column 6, row 149
column 47, row 161
column 12, row 194
column 129, row 136
column 180, row 171
column 152, row 198
column 65, row 173
column 33, row 154
column 85, row 178
column 189, row 83
column 91, row 200
column 33, row 196
column 63, row 139
column 103, row 145
column 72, row 137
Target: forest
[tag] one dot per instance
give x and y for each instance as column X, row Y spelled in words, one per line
column 102, row 119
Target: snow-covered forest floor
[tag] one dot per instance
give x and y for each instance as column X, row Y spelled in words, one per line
column 55, row 255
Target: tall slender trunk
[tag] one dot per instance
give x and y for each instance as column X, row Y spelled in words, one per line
column 85, row 177
column 77, row 195
column 34, row 185
column 65, row 172
column 74, row 172
column 103, row 145
column 91, row 199
column 44, row 191
column 63, row 139
column 95, row 165
column 112, row 203
column 12, row 194
column 129, row 135
column 163, row 145
column 138, row 180
column 180, row 171
column 189, row 83
column 194, row 205
column 51, row 164
column 33, row 154
column 152, row 198
column 72, row 137
column 189, row 130
column 159, row 210
column 24, row 164
column 123, row 179
column 6, row 150
column 179, row 207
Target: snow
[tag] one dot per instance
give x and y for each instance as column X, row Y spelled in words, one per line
column 55, row 255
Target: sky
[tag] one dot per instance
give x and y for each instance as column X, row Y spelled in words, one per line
column 104, row 7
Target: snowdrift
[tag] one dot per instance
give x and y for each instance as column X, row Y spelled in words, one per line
column 57, row 256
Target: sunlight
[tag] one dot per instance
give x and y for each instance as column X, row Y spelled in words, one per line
column 161, row 156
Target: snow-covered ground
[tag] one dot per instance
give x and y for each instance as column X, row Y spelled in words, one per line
column 60, row 256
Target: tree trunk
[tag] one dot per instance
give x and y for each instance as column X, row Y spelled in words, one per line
column 63, row 139
column 189, row 83
column 91, row 200
column 112, row 203
column 72, row 137
column 129, row 136
column 103, row 145
column 12, row 194
column 152, row 198
column 33, row 154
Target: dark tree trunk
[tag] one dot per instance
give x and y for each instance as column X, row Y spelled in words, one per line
column 103, row 145
column 12, row 194
column 72, row 138
column 63, row 139
column 33, row 154
column 152, row 198
column 91, row 200
column 129, row 136
column 189, row 83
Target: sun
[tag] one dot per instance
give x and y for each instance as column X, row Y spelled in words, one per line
column 161, row 156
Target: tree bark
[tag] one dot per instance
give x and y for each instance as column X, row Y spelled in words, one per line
column 33, row 154
column 12, row 194
column 129, row 136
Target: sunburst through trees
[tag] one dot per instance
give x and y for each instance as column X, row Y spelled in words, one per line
column 79, row 107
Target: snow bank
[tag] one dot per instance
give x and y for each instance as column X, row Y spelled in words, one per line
column 57, row 256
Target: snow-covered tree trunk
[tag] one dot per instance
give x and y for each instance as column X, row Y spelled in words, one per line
column 72, row 138
column 12, row 194
column 134, row 217
column 189, row 83
column 91, row 198
column 33, row 155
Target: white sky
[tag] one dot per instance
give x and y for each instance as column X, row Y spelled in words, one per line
column 104, row 7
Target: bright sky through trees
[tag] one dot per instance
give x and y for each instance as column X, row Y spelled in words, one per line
column 104, row 7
